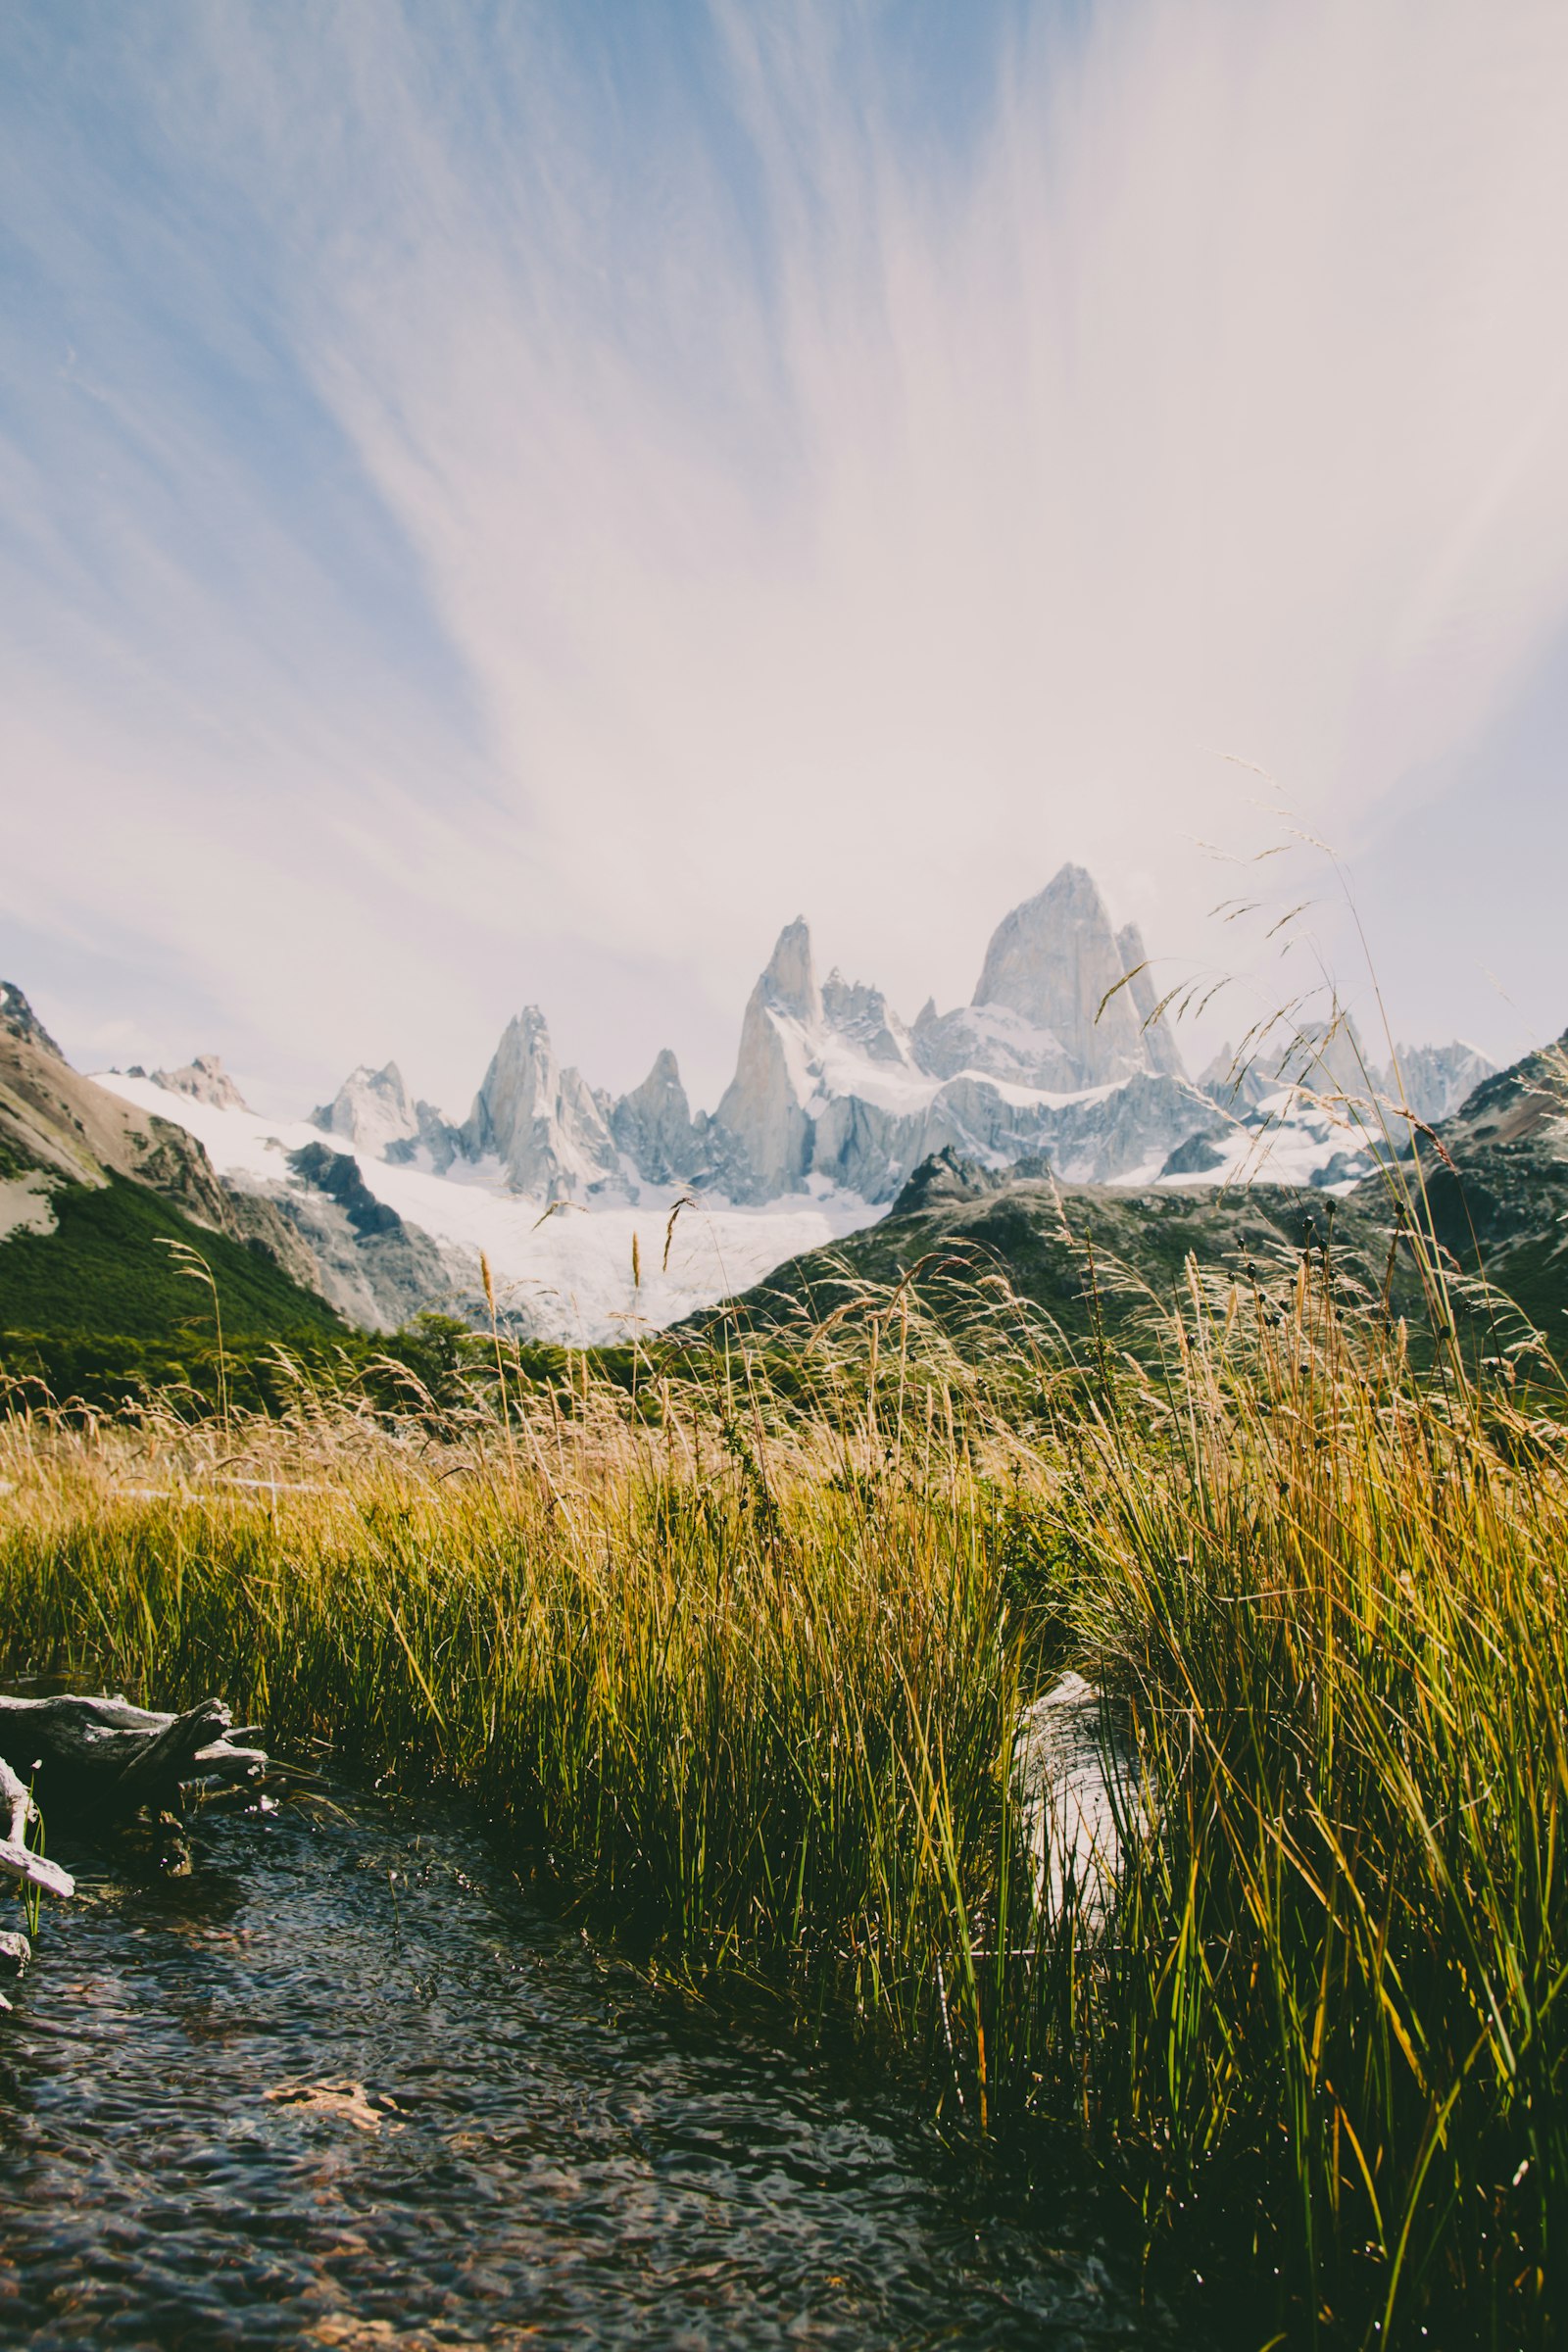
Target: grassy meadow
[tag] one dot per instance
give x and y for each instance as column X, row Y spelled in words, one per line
column 733, row 1645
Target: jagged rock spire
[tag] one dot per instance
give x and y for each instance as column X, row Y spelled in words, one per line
column 653, row 1125
column 370, row 1108
column 763, row 1107
column 205, row 1080
column 542, row 1121
column 1053, row 961
column 789, row 981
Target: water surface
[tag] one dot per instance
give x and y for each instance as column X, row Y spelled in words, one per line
column 547, row 2150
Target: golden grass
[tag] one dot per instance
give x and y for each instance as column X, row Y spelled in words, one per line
column 741, row 1654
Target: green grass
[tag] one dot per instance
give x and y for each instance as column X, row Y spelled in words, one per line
column 739, row 1658
column 1032, row 1236
column 434, row 1359
column 104, row 1269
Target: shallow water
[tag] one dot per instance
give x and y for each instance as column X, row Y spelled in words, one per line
column 549, row 2151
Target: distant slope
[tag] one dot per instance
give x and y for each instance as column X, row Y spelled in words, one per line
column 1497, row 1182
column 57, row 1125
column 1495, row 1178
column 1080, row 1253
column 89, row 1189
column 563, row 1277
column 104, row 1269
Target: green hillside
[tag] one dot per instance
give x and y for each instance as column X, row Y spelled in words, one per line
column 105, row 1270
column 1088, row 1256
column 1094, row 1258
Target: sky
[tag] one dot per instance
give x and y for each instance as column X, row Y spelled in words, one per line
column 513, row 503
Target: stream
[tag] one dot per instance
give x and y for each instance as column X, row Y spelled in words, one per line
column 543, row 2148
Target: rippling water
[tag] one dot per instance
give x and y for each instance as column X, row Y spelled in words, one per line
column 547, row 2151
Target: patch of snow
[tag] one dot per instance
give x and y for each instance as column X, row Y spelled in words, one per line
column 26, row 1205
column 893, row 1086
column 1283, row 1142
column 797, row 1049
column 1036, row 1098
column 567, row 1270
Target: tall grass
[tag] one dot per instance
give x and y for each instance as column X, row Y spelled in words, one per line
column 742, row 1652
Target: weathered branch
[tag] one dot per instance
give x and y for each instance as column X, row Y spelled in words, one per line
column 17, row 1859
column 19, row 1806
column 104, row 1755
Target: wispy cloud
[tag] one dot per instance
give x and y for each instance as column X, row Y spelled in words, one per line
column 542, row 494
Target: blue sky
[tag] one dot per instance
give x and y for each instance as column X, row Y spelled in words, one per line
column 515, row 503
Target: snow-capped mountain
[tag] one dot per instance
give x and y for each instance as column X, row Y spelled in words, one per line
column 1435, row 1079
column 1061, row 1054
column 832, row 1090
column 830, row 1084
column 1330, row 1062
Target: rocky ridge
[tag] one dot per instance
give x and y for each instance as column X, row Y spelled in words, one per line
column 374, row 1267
column 1494, row 1175
column 1064, row 1051
column 320, row 1225
column 205, row 1080
column 58, row 1128
column 1496, row 1179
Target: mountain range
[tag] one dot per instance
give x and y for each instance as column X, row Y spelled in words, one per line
column 594, row 1210
column 1492, row 1180
column 1063, row 1051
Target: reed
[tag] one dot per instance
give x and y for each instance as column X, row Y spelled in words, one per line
column 738, row 1650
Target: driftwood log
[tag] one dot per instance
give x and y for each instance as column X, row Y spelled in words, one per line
column 103, row 1757
column 16, row 1860
column 1079, row 1789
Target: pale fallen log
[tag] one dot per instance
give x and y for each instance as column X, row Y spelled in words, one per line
column 1077, row 1789
column 106, row 1757
column 17, row 1859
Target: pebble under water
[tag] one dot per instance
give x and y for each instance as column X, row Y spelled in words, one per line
column 546, row 2149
